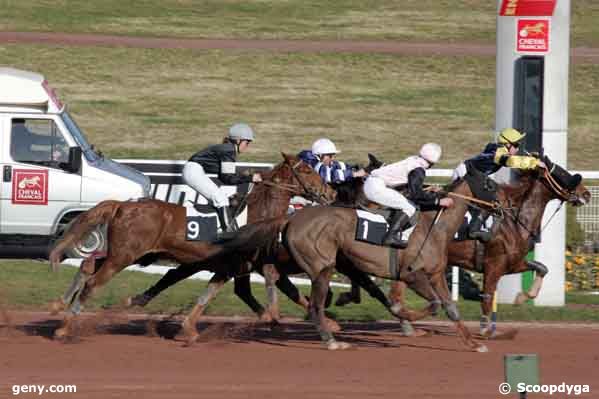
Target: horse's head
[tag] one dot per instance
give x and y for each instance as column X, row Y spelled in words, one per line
column 564, row 185
column 304, row 179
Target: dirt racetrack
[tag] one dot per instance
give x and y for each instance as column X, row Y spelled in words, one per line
column 237, row 358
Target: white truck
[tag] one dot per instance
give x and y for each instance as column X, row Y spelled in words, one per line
column 50, row 173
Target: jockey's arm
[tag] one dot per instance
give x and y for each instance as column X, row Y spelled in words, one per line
column 503, row 158
column 417, row 194
column 228, row 176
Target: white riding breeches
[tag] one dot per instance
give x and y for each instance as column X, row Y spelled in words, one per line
column 459, row 172
column 376, row 191
column 195, row 177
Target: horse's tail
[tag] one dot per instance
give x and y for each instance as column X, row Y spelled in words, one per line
column 262, row 235
column 82, row 225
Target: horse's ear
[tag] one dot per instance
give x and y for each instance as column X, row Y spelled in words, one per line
column 286, row 157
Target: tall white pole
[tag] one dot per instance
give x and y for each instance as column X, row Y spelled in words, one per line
column 551, row 250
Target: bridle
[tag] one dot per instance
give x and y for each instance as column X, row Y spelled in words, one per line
column 563, row 195
column 301, row 188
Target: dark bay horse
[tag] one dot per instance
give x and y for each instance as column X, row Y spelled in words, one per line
column 316, row 236
column 506, row 253
column 143, row 231
column 525, row 203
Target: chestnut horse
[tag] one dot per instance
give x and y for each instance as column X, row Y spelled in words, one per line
column 316, row 236
column 274, row 266
column 146, row 230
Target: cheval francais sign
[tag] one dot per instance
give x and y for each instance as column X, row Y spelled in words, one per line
column 528, row 8
column 532, row 36
column 30, row 187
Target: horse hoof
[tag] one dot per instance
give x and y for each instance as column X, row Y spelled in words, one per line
column 266, row 317
column 520, row 299
column 61, row 333
column 56, row 307
column 482, row 349
column 337, row 346
column 190, row 340
column 333, row 326
column 417, row 333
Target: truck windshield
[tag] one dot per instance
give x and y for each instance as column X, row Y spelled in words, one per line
column 79, row 137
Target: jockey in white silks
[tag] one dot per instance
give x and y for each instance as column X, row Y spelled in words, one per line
column 220, row 159
column 322, row 158
column 382, row 184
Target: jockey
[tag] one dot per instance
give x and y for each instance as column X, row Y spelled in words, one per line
column 322, row 159
column 381, row 185
column 490, row 160
column 219, row 159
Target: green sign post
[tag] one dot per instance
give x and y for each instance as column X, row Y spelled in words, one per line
column 521, row 369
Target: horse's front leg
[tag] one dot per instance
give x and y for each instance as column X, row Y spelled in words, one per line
column 320, row 287
column 451, row 310
column 243, row 289
column 540, row 272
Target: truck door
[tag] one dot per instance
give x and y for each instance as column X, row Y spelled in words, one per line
column 35, row 187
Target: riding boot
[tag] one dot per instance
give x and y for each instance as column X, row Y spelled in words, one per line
column 476, row 228
column 223, row 218
column 393, row 238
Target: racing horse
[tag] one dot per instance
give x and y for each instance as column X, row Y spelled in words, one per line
column 316, row 236
column 524, row 203
column 505, row 253
column 146, row 230
column 275, row 267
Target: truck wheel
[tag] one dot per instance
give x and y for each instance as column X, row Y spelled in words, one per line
column 94, row 241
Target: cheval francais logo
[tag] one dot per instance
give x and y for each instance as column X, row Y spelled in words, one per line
column 30, row 187
column 533, row 36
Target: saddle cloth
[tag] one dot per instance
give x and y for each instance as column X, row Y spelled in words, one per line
column 462, row 233
column 372, row 227
column 200, row 226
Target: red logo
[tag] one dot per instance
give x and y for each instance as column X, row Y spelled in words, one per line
column 532, row 36
column 30, row 187
column 532, row 8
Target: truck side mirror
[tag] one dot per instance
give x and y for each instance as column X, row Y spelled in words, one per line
column 74, row 164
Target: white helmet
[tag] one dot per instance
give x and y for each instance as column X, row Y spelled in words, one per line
column 324, row 146
column 241, row 131
column 431, row 152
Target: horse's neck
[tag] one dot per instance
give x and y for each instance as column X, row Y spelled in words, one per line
column 532, row 208
column 266, row 202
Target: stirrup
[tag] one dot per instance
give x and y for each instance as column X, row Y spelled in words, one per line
column 481, row 235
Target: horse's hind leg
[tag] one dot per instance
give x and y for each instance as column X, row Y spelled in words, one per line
column 452, row 312
column 72, row 297
column 189, row 324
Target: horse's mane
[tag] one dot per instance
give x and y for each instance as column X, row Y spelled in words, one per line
column 260, row 194
column 349, row 193
column 517, row 190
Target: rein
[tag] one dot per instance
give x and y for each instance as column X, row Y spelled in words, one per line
column 561, row 192
column 492, row 205
column 294, row 188
column 563, row 195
